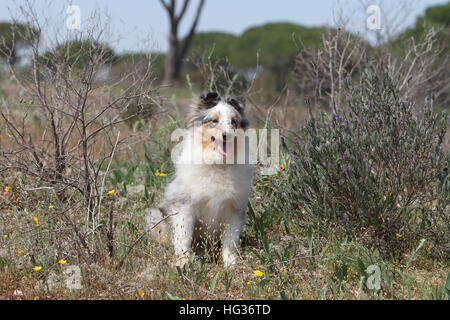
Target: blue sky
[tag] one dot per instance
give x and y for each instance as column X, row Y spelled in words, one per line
column 143, row 24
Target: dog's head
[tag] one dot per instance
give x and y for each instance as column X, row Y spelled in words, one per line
column 217, row 121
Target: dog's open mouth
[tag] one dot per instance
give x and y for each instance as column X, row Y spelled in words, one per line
column 222, row 148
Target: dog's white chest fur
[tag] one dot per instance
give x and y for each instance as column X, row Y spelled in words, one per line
column 215, row 192
column 207, row 202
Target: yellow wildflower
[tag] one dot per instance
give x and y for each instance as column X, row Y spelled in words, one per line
column 37, row 268
column 249, row 283
column 7, row 188
column 62, row 262
column 258, row 273
column 282, row 167
column 19, row 251
column 35, row 219
column 112, row 191
column 51, row 206
column 398, row 235
column 5, row 236
column 162, row 174
column 141, row 292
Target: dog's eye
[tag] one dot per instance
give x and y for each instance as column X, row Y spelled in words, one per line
column 234, row 123
column 215, row 121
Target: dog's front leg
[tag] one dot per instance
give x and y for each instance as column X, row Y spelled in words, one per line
column 230, row 240
column 183, row 232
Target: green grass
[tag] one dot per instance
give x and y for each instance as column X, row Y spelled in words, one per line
column 295, row 264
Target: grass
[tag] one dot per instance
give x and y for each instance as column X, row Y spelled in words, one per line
column 290, row 263
column 279, row 259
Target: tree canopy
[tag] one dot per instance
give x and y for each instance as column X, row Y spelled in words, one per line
column 14, row 36
column 437, row 17
column 78, row 53
column 276, row 42
column 220, row 44
column 272, row 46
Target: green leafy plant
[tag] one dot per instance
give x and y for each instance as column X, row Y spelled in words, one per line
column 375, row 169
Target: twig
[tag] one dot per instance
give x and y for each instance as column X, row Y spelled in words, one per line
column 140, row 237
column 106, row 173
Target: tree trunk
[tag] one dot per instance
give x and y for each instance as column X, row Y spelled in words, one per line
column 172, row 64
column 176, row 54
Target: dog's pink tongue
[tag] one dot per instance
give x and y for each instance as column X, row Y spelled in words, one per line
column 223, row 150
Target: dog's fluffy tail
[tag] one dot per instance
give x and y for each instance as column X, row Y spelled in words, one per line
column 158, row 225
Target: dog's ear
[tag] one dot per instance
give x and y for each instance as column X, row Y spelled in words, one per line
column 208, row 100
column 245, row 123
column 238, row 103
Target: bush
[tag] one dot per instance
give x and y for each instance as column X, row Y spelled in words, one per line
column 373, row 169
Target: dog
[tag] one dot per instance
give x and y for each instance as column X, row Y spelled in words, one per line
column 206, row 201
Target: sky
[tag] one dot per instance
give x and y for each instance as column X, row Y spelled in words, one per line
column 138, row 25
